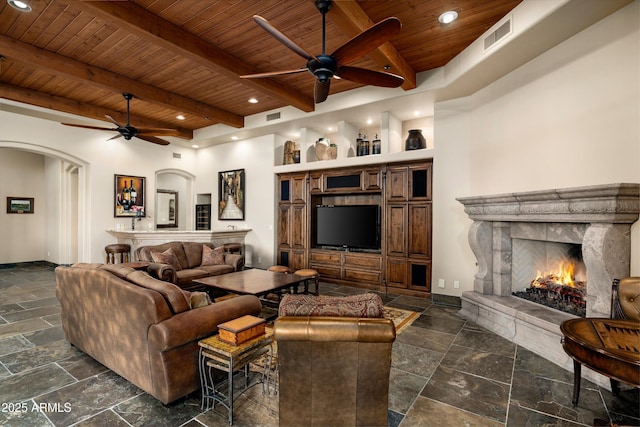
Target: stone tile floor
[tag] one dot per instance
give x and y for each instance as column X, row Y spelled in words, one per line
column 445, row 372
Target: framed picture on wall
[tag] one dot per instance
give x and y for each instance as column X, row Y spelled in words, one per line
column 19, row 205
column 231, row 194
column 128, row 196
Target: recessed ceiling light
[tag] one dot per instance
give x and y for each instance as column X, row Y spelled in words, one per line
column 369, row 121
column 330, row 129
column 253, row 101
column 180, row 117
column 448, row 17
column 416, row 113
column 19, row 5
column 195, row 146
column 235, row 138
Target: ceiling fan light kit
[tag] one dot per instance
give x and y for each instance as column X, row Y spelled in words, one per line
column 324, row 67
column 127, row 131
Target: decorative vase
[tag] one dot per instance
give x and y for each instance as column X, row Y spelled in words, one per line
column 287, row 157
column 332, row 151
column 322, row 145
column 415, row 140
column 296, row 156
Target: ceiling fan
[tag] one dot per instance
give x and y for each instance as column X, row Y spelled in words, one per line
column 324, row 67
column 127, row 131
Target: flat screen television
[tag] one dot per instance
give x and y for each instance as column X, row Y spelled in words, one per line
column 356, row 226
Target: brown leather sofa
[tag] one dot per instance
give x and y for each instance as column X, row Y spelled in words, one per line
column 189, row 258
column 141, row 328
column 334, row 371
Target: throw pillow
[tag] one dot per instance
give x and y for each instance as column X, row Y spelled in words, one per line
column 167, row 257
column 212, row 256
column 199, row 299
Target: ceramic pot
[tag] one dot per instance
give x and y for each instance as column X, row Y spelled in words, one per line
column 415, row 140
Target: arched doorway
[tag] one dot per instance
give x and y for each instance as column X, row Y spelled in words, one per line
column 181, row 182
column 67, row 236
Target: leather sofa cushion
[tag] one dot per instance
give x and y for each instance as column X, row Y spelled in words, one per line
column 178, row 250
column 173, row 295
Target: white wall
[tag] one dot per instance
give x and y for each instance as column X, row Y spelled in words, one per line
column 98, row 160
column 256, row 157
column 22, row 235
column 567, row 118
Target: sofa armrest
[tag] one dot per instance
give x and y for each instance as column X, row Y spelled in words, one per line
column 235, row 260
column 200, row 322
column 164, row 272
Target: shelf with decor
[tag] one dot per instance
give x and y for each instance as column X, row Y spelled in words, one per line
column 340, row 146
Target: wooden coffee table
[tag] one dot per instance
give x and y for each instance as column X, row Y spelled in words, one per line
column 610, row 347
column 251, row 282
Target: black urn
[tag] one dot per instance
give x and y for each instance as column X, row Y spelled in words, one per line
column 415, row 140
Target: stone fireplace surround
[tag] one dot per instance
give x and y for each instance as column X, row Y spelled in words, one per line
column 597, row 217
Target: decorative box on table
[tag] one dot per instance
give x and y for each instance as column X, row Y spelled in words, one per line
column 241, row 330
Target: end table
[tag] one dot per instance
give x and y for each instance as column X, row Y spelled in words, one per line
column 215, row 353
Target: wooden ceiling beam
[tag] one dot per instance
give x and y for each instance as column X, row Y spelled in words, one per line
column 27, row 54
column 352, row 20
column 58, row 103
column 148, row 26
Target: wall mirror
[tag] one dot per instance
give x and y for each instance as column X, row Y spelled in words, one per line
column 167, row 208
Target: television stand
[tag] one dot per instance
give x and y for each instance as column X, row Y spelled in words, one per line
column 348, row 266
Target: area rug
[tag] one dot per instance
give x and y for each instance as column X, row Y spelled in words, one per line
column 401, row 318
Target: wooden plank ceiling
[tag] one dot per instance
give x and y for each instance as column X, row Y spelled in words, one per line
column 185, row 56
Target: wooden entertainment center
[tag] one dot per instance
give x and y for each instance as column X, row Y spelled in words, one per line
column 403, row 193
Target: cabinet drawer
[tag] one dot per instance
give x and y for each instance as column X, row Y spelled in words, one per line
column 362, row 261
column 361, row 276
column 325, row 257
column 324, row 271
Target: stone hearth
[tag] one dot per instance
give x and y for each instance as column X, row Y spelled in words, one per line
column 597, row 217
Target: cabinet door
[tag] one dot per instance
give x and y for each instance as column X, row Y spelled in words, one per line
column 396, row 272
column 372, row 180
column 420, row 182
column 298, row 226
column 284, row 221
column 396, row 230
column 419, row 275
column 397, row 184
column 299, row 188
column 419, row 230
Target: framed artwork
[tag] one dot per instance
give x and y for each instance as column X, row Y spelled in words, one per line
column 129, row 195
column 231, row 194
column 19, row 205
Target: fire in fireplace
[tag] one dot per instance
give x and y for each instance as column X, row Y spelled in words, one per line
column 558, row 289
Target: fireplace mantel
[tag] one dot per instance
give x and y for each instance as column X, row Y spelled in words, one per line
column 612, row 203
column 599, row 218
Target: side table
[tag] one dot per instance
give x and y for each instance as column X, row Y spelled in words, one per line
column 215, row 353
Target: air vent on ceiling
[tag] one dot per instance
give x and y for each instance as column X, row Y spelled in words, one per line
column 497, row 35
column 177, row 155
column 273, row 116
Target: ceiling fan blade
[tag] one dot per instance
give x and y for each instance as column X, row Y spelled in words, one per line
column 370, row 77
column 88, row 127
column 367, row 40
column 157, row 132
column 115, row 137
column 282, row 38
column 153, row 139
column 112, row 120
column 321, row 91
column 273, row 73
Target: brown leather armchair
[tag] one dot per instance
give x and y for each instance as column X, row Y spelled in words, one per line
column 625, row 301
column 334, row 371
